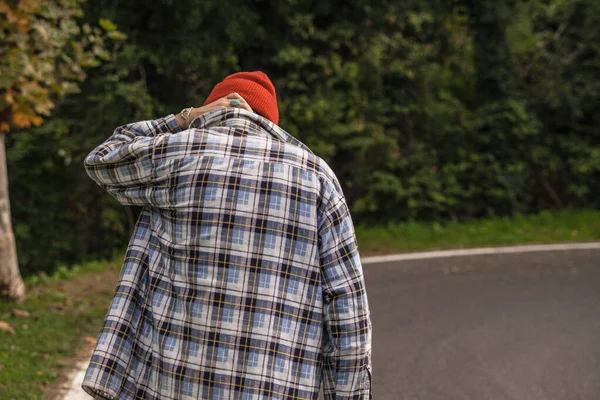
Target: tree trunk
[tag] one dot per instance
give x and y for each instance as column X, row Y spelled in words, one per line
column 11, row 283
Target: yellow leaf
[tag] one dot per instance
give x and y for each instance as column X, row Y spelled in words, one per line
column 107, row 25
column 8, row 97
column 21, row 120
column 23, row 25
column 20, row 313
column 91, row 341
column 116, row 35
column 4, row 127
column 41, row 30
column 44, row 108
column 6, row 327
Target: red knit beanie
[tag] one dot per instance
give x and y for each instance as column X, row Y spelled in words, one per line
column 255, row 87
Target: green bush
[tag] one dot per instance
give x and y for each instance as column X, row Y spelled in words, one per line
column 426, row 110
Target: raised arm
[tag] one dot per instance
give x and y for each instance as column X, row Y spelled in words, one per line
column 124, row 164
column 136, row 162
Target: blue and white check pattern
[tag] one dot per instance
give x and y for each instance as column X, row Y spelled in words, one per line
column 242, row 279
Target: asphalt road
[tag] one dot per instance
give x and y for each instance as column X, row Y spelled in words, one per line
column 502, row 327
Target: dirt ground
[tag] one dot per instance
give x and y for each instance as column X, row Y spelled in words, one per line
column 87, row 286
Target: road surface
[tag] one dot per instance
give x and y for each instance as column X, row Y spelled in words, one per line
column 499, row 327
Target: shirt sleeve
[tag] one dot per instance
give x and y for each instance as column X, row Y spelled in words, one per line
column 133, row 164
column 347, row 341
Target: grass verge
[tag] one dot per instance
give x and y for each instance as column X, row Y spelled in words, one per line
column 560, row 227
column 60, row 314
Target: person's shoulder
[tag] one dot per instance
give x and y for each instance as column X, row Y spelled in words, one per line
column 324, row 171
column 330, row 188
column 315, row 164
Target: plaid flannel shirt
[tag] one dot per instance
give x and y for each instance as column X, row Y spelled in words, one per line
column 242, row 279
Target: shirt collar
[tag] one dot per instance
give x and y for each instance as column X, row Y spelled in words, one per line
column 249, row 123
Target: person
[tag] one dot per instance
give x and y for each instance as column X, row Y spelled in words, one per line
column 242, row 279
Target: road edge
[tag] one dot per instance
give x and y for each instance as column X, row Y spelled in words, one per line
column 480, row 251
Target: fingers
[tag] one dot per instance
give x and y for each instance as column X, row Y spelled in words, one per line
column 232, row 100
column 236, row 101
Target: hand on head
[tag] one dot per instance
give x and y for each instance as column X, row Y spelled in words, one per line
column 231, row 100
column 255, row 87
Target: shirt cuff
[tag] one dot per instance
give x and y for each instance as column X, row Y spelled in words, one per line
column 172, row 124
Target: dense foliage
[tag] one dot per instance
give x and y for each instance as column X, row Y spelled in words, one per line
column 426, row 110
column 43, row 55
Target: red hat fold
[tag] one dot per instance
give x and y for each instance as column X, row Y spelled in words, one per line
column 255, row 87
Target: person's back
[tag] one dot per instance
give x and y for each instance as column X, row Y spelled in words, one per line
column 242, row 279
